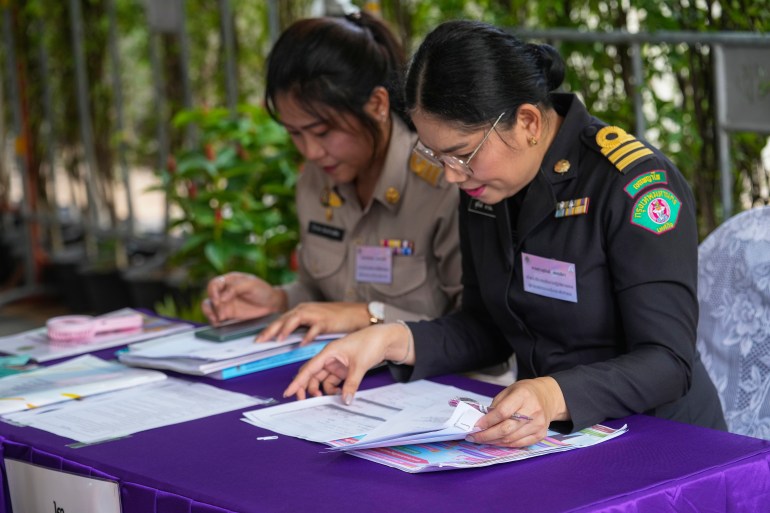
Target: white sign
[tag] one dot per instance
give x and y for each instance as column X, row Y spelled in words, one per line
column 35, row 489
column 747, row 82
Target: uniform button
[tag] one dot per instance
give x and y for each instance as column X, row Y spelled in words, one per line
column 589, row 131
column 392, row 195
column 561, row 166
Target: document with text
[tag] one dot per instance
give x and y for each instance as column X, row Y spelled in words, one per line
column 414, row 427
column 79, row 377
column 126, row 412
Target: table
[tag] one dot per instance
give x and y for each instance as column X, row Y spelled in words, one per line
column 216, row 465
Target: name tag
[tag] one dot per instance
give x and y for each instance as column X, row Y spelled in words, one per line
column 549, row 278
column 479, row 207
column 324, row 230
column 374, row 264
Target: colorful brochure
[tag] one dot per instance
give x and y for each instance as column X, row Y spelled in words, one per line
column 413, row 427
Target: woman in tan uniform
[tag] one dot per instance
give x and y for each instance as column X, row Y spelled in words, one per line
column 379, row 233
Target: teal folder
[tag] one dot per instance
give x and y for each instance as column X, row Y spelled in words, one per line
column 295, row 355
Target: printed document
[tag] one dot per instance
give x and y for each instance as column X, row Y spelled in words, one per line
column 411, row 427
column 188, row 354
column 80, row 377
column 125, row 412
column 327, row 418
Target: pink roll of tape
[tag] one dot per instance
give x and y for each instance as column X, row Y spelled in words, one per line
column 78, row 329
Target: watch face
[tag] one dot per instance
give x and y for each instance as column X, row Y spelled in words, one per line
column 377, row 310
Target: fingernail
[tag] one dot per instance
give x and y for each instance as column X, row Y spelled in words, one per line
column 347, row 399
column 470, row 438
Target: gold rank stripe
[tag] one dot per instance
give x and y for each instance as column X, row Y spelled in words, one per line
column 424, row 169
column 633, row 158
column 622, row 150
column 620, row 147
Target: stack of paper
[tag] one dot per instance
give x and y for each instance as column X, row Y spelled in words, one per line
column 35, row 343
column 80, row 377
column 411, row 427
column 122, row 413
column 222, row 360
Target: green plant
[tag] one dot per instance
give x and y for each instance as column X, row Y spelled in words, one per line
column 192, row 312
column 232, row 198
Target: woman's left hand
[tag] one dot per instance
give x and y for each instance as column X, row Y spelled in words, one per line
column 540, row 399
column 326, row 317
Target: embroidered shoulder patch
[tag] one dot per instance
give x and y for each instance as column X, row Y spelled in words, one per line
column 656, row 211
column 424, row 169
column 653, row 177
column 621, row 148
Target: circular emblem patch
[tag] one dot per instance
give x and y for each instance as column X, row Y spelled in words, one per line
column 659, row 211
column 656, row 211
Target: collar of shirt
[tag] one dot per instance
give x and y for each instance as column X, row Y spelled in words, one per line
column 395, row 168
column 566, row 145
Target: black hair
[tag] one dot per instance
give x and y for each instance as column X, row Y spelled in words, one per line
column 335, row 63
column 469, row 72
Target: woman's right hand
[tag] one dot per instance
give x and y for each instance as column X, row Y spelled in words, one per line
column 241, row 296
column 346, row 360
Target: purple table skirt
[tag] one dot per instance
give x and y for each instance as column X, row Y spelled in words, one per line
column 216, row 465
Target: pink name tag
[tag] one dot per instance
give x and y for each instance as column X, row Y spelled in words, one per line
column 549, row 278
column 374, row 264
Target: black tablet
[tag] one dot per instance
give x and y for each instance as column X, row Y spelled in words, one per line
column 235, row 329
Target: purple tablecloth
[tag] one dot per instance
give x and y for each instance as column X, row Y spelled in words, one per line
column 217, row 465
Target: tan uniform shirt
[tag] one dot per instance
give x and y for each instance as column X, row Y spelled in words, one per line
column 411, row 202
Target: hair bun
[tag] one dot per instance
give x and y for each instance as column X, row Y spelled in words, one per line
column 551, row 64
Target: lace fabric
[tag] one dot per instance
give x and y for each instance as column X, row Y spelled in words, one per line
column 734, row 324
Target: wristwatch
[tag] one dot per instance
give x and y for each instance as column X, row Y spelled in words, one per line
column 376, row 312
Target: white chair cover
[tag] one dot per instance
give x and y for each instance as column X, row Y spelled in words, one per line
column 734, row 325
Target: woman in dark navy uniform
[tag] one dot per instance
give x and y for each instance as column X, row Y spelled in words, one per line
column 579, row 249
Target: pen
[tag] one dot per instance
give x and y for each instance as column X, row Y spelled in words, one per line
column 484, row 409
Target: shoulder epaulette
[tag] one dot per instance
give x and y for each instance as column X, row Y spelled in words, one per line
column 622, row 149
column 425, row 169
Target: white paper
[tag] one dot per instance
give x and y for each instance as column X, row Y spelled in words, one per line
column 130, row 411
column 35, row 343
column 438, row 423
column 80, row 377
column 322, row 419
column 187, row 345
column 35, row 489
column 190, row 355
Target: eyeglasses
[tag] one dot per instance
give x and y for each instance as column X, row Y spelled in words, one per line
column 455, row 163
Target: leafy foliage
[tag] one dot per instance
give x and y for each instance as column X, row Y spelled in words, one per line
column 234, row 196
column 678, row 79
column 679, row 116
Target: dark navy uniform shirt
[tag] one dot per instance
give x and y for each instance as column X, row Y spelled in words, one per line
column 588, row 275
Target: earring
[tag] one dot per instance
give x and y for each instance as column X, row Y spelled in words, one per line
column 532, row 141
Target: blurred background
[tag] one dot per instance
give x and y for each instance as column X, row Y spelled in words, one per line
column 137, row 160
